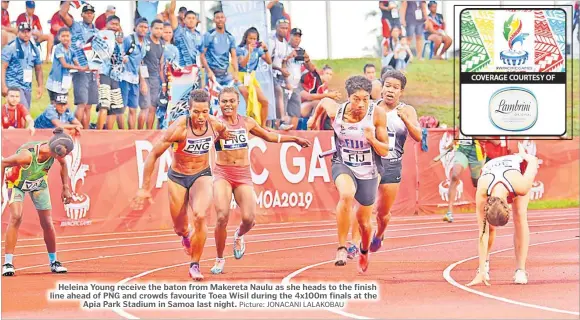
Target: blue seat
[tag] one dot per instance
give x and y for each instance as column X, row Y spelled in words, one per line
column 431, row 47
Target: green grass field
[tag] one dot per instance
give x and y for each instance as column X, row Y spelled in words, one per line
column 429, row 89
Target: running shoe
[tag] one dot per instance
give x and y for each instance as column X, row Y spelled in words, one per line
column 352, row 251
column 195, row 273
column 521, row 277
column 219, row 265
column 239, row 245
column 448, row 217
column 363, row 263
column 8, row 270
column 376, row 243
column 341, row 256
column 487, row 278
column 56, row 267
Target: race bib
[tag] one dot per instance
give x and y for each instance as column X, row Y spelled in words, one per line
column 395, row 13
column 33, row 185
column 144, row 72
column 198, row 146
column 392, row 140
column 238, row 141
column 27, row 75
column 418, row 14
column 357, row 158
column 66, row 82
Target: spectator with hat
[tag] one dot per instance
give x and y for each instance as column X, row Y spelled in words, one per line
column 101, row 21
column 57, row 115
column 34, row 22
column 85, row 85
column 8, row 32
column 134, row 74
column 218, row 45
column 60, row 80
column 19, row 57
column 14, row 114
column 435, row 31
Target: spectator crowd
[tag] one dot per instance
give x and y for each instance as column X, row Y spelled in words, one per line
column 130, row 85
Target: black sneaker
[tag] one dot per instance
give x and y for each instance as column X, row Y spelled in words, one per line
column 56, row 267
column 8, row 270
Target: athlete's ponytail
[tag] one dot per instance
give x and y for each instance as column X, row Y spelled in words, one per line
column 61, row 143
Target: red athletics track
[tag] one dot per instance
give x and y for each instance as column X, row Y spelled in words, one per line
column 420, row 270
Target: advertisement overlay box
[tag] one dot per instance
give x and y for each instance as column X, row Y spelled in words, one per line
column 513, row 72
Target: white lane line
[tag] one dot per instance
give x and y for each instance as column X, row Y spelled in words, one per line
column 394, row 222
column 250, row 238
column 391, row 228
column 289, row 277
column 447, row 276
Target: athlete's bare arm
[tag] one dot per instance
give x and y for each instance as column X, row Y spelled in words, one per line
column 325, row 105
column 220, row 128
column 176, row 132
column 254, row 128
column 480, row 200
column 379, row 140
column 409, row 117
column 66, row 195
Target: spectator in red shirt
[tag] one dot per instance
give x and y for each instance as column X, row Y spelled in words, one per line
column 56, row 23
column 101, row 21
column 14, row 114
column 8, row 32
column 34, row 22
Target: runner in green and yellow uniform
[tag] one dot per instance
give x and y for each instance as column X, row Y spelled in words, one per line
column 27, row 171
column 468, row 153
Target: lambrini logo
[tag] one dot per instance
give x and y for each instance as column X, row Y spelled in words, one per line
column 513, row 109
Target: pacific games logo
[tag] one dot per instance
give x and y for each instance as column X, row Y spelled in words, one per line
column 512, row 32
column 77, row 209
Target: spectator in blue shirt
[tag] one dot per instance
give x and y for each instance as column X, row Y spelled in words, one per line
column 57, row 115
column 110, row 107
column 132, row 81
column 218, row 44
column 60, row 79
column 170, row 52
column 186, row 38
column 19, row 57
column 249, row 52
column 85, row 87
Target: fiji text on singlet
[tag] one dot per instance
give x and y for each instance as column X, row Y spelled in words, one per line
column 353, row 148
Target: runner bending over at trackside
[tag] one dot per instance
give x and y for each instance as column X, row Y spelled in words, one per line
column 190, row 178
column 27, row 172
column 402, row 122
column 505, row 180
column 233, row 175
column 360, row 132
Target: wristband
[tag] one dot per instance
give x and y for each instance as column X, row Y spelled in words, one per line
column 279, row 137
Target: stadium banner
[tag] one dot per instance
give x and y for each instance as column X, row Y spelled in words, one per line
column 241, row 16
column 291, row 183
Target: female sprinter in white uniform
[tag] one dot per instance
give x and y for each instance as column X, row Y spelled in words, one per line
column 402, row 122
column 360, row 133
column 504, row 180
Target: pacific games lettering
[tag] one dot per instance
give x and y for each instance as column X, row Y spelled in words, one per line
column 293, row 173
column 506, row 108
